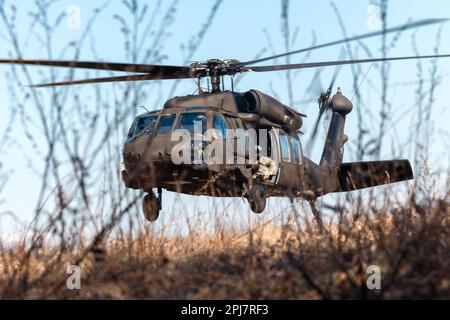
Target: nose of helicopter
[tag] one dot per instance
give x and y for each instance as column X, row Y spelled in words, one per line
column 147, row 148
column 146, row 157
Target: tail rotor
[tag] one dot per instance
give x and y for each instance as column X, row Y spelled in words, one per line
column 324, row 101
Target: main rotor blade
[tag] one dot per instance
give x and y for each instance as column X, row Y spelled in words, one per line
column 336, row 63
column 406, row 26
column 124, row 67
column 139, row 77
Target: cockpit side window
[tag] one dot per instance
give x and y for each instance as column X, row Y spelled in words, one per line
column 191, row 121
column 165, row 123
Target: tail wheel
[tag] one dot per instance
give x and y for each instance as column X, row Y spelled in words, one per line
column 257, row 198
column 151, row 207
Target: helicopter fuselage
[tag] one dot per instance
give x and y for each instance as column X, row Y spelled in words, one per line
column 148, row 151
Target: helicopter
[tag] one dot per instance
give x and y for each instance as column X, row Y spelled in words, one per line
column 252, row 138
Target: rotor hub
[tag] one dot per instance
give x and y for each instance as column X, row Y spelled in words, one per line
column 215, row 69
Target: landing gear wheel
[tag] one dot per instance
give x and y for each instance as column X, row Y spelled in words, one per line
column 257, row 198
column 151, row 207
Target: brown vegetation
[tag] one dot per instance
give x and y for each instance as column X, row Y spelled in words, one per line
column 282, row 258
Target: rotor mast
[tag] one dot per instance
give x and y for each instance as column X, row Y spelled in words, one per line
column 215, row 83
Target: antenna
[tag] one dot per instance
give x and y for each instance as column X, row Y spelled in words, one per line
column 144, row 108
column 359, row 85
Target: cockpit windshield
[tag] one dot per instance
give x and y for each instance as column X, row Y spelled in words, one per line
column 145, row 123
column 141, row 124
column 194, row 122
column 165, row 123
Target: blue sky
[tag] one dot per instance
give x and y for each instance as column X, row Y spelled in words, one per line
column 237, row 32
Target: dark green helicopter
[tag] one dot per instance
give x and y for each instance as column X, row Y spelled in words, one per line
column 257, row 151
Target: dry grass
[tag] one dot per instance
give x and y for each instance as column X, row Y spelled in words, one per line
column 272, row 260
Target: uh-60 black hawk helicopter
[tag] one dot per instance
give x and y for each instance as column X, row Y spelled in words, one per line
column 278, row 168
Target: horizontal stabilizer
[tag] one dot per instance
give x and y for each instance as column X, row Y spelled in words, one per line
column 360, row 175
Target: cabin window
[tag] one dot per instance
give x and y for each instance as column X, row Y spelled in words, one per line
column 296, row 149
column 165, row 123
column 193, row 122
column 284, row 143
column 219, row 124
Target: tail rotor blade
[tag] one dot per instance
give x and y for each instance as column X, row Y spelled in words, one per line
column 315, row 87
column 322, row 110
column 324, row 100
